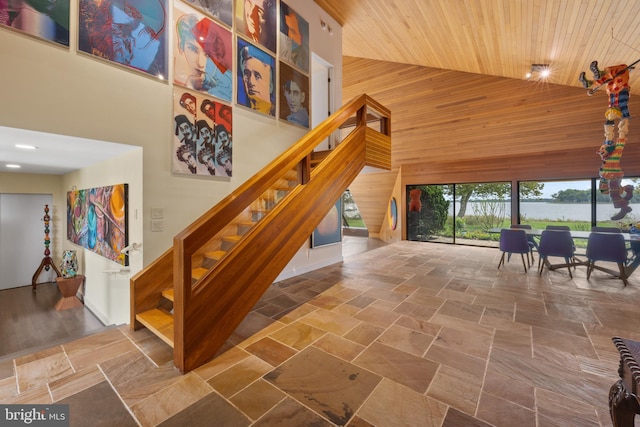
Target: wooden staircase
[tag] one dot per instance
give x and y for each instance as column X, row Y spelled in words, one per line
column 196, row 294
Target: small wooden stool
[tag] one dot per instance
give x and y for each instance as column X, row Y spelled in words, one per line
column 69, row 287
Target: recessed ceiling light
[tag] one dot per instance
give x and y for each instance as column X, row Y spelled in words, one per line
column 13, row 166
column 25, row 146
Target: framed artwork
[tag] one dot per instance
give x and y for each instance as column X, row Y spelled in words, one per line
column 256, row 78
column 220, row 10
column 203, row 55
column 129, row 33
column 45, row 19
column 329, row 231
column 294, row 38
column 393, row 213
column 294, row 96
column 97, row 220
column 202, row 138
column 257, row 21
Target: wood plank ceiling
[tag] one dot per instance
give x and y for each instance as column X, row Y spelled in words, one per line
column 453, row 71
column 453, row 74
column 492, row 37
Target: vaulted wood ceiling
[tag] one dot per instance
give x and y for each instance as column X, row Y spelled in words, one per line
column 492, row 37
column 452, row 72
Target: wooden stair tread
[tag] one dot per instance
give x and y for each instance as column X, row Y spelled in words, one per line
column 216, row 255
column 159, row 322
column 168, row 294
column 197, row 273
column 235, row 238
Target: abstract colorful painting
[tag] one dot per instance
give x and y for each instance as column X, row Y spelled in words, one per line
column 132, row 33
column 202, row 135
column 257, row 21
column 329, row 231
column 46, row 19
column 97, row 219
column 203, row 53
column 256, row 78
column 294, row 38
column 294, row 96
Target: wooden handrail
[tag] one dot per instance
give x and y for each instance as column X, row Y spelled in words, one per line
column 207, row 312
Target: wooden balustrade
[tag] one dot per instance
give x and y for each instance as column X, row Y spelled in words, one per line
column 206, row 313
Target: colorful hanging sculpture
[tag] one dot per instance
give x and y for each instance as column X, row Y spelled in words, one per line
column 616, row 81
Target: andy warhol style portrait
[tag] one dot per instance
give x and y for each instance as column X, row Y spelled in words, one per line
column 202, row 53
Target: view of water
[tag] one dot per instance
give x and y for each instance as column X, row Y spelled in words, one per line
column 562, row 211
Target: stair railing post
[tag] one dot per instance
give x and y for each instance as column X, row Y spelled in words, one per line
column 304, row 170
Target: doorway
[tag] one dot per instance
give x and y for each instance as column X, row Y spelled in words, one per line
column 22, row 238
column 322, row 99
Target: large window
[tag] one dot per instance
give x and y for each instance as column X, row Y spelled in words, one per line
column 607, row 209
column 571, row 203
column 458, row 213
column 472, row 214
column 545, row 203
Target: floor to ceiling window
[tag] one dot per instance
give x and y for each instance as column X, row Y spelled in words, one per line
column 473, row 213
column 458, row 213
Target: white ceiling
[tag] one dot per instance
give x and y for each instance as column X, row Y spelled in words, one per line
column 55, row 154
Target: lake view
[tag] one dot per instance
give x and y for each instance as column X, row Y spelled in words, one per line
column 562, row 211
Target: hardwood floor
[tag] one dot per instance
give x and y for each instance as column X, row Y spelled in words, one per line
column 416, row 334
column 29, row 321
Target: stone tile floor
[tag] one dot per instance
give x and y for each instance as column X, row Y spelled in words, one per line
column 412, row 334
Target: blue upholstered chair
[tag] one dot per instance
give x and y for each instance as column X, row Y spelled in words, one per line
column 598, row 229
column 514, row 241
column 532, row 243
column 555, row 243
column 563, row 228
column 608, row 247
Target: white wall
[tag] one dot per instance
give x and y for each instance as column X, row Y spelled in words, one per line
column 53, row 89
column 106, row 293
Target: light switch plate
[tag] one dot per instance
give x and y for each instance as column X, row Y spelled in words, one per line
column 157, row 213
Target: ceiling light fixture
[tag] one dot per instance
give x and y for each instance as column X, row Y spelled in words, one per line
column 25, row 146
column 12, row 166
column 539, row 72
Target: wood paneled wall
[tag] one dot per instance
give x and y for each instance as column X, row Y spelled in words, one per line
column 450, row 126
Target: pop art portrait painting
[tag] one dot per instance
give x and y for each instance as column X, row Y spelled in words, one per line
column 45, row 19
column 131, row 33
column 202, row 135
column 294, row 38
column 202, row 53
column 256, row 79
column 257, row 21
column 294, row 96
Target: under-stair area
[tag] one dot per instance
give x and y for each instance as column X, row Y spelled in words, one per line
column 196, row 293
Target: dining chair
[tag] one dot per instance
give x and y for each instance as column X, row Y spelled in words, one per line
column 632, row 248
column 607, row 247
column 514, row 241
column 532, row 242
column 598, row 229
column 564, row 228
column 555, row 243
